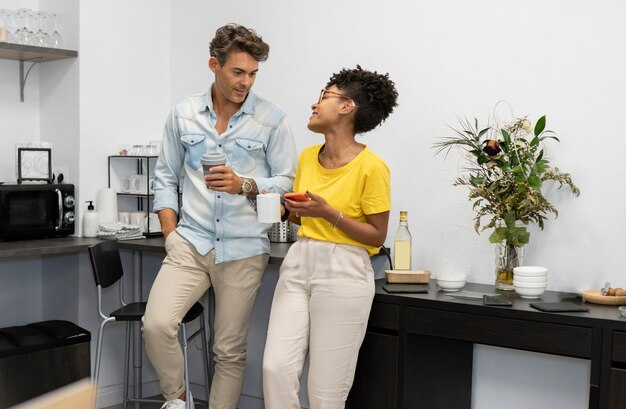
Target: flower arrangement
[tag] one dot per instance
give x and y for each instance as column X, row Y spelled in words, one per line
column 505, row 178
column 507, row 169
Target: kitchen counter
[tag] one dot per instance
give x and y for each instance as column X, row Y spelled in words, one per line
column 60, row 245
column 71, row 244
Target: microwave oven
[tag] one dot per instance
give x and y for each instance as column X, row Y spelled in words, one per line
column 32, row 211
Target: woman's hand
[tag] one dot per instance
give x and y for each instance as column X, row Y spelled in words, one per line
column 317, row 206
column 371, row 232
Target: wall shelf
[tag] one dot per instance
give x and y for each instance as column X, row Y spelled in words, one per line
column 33, row 55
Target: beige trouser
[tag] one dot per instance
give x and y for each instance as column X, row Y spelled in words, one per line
column 321, row 304
column 184, row 277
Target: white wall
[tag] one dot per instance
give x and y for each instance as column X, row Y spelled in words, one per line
column 449, row 59
column 452, row 58
column 124, row 82
column 20, row 120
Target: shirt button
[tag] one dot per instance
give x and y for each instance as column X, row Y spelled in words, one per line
column 218, row 220
column 220, row 145
column 219, row 197
column 217, row 239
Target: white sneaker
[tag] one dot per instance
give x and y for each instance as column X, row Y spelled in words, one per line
column 179, row 403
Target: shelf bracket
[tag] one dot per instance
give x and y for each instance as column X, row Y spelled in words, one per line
column 23, row 78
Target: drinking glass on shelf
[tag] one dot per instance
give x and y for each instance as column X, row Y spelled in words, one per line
column 137, row 150
column 3, row 27
column 7, row 20
column 41, row 37
column 56, row 38
column 21, row 34
column 29, row 36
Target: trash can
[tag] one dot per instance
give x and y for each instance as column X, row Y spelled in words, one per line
column 40, row 357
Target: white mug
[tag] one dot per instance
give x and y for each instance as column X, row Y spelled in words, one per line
column 138, row 219
column 268, row 207
column 139, row 184
column 126, row 184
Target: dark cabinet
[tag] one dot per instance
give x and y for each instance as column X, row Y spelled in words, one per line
column 418, row 349
column 617, row 389
column 617, row 382
column 376, row 379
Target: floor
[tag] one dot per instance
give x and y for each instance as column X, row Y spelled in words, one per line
column 198, row 404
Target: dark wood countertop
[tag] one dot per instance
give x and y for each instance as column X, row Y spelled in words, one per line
column 71, row 244
column 608, row 315
column 60, row 245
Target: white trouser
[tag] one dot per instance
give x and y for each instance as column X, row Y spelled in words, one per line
column 321, row 305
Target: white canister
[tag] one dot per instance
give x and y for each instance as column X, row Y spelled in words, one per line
column 106, row 200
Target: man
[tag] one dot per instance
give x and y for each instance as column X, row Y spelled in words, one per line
column 218, row 241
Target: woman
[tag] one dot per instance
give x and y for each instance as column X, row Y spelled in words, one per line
column 326, row 285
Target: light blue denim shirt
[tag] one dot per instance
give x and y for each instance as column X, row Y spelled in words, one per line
column 258, row 144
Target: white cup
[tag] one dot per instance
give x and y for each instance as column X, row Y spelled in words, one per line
column 126, row 184
column 268, row 207
column 138, row 219
column 123, row 217
column 139, row 184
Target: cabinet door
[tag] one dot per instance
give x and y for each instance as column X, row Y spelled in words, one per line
column 376, row 380
column 617, row 389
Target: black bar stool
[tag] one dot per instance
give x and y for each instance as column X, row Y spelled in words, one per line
column 107, row 270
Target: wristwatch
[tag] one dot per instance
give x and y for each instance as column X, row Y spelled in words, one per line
column 246, row 187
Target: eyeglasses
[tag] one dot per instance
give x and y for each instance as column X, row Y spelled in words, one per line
column 327, row 91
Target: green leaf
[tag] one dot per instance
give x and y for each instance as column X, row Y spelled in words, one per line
column 477, row 181
column 517, row 236
column 540, row 125
column 550, row 137
column 540, row 155
column 518, row 170
column 534, row 181
column 498, row 235
column 541, row 167
column 535, row 141
column 484, row 131
column 506, row 136
column 509, row 219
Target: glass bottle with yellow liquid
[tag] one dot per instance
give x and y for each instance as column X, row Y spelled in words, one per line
column 402, row 244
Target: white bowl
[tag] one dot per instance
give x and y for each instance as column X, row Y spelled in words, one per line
column 525, row 279
column 530, row 292
column 530, row 271
column 451, row 284
column 529, row 285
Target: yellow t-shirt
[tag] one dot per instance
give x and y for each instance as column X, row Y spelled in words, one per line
column 358, row 188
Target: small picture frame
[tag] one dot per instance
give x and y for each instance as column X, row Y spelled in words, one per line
column 34, row 164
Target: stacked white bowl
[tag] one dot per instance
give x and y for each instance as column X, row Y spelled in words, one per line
column 530, row 281
column 450, row 282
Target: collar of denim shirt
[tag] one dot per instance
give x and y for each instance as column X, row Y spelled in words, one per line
column 248, row 105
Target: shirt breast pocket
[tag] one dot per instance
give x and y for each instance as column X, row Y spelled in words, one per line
column 247, row 155
column 195, row 147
